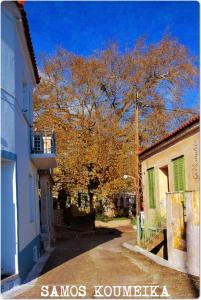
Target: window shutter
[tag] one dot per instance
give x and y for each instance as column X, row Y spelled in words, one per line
column 179, row 174
column 151, row 184
column 176, row 175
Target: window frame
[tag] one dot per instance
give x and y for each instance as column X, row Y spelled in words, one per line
column 32, row 204
column 182, row 181
column 152, row 198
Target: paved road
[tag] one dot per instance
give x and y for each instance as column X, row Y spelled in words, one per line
column 99, row 259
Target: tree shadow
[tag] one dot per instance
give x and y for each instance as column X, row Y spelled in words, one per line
column 195, row 283
column 72, row 243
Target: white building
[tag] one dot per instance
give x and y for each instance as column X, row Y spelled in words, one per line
column 20, row 157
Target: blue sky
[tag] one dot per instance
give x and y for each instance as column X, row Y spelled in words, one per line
column 82, row 27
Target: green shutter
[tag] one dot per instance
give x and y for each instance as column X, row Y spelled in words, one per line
column 179, row 174
column 151, row 185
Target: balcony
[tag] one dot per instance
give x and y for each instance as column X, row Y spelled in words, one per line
column 43, row 150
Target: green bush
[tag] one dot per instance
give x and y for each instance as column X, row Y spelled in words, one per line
column 134, row 221
column 107, row 219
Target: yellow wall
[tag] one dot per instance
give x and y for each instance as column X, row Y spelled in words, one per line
column 189, row 147
column 183, row 250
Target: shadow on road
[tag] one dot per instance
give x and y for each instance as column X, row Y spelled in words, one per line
column 195, row 283
column 71, row 243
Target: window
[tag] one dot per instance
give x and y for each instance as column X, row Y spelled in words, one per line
column 31, row 200
column 37, row 143
column 151, row 186
column 47, row 142
column 68, row 200
column 83, row 200
column 25, row 96
column 179, row 174
column 30, row 105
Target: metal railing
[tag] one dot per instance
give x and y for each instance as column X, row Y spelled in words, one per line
column 43, row 142
column 150, row 229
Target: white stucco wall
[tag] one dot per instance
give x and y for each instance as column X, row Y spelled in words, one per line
column 25, row 169
column 16, row 70
column 7, row 82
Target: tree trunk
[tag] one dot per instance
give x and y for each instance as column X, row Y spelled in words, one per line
column 91, row 203
column 92, row 211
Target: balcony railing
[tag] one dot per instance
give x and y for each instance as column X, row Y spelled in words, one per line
column 43, row 142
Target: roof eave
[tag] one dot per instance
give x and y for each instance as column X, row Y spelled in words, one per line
column 28, row 40
column 171, row 136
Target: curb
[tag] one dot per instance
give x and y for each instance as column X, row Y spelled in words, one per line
column 153, row 257
column 31, row 278
column 159, row 260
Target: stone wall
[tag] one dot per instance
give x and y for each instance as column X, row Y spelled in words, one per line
column 183, row 231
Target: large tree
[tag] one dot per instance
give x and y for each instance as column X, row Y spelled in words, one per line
column 89, row 102
column 93, row 148
column 160, row 74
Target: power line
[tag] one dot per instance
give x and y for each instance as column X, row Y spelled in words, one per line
column 148, row 106
column 170, row 109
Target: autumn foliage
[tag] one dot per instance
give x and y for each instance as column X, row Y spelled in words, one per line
column 88, row 102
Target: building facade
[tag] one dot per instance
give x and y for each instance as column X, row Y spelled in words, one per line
column 170, row 185
column 170, row 165
column 20, row 212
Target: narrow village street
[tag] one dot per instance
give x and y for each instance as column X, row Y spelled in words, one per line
column 82, row 258
column 100, row 160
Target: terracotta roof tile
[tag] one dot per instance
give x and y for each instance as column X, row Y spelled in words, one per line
column 28, row 39
column 168, row 136
column 21, row 2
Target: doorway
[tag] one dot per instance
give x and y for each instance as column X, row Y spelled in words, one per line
column 163, row 186
column 9, row 264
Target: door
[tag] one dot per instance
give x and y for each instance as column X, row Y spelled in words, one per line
column 9, row 250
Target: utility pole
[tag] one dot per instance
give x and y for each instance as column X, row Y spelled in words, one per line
column 136, row 162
